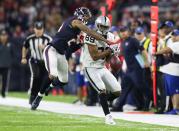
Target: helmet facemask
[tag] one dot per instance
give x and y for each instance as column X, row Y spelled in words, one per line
column 103, row 29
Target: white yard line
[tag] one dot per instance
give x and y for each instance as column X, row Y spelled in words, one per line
column 58, row 107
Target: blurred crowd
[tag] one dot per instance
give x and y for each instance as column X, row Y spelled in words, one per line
column 18, row 16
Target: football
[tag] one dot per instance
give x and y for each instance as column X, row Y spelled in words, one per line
column 115, row 63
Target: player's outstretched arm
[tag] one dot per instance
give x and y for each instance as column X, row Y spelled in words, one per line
column 84, row 28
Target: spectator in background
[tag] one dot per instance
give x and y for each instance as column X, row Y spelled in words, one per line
column 147, row 44
column 3, row 22
column 164, row 40
column 80, row 79
column 18, row 33
column 171, row 73
column 133, row 25
column 144, row 41
column 5, row 60
column 165, row 29
column 132, row 81
column 31, row 11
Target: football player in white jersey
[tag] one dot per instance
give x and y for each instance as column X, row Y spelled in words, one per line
column 95, row 54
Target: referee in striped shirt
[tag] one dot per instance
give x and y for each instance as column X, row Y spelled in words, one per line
column 36, row 43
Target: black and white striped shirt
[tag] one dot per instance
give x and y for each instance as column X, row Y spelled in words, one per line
column 33, row 43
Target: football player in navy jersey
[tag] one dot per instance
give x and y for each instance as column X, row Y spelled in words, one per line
column 54, row 54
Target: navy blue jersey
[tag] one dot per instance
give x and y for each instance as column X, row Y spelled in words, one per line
column 130, row 48
column 64, row 35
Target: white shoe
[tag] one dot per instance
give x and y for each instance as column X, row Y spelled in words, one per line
column 109, row 120
column 79, row 103
column 127, row 108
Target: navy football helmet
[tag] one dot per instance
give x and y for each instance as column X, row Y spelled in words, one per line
column 83, row 14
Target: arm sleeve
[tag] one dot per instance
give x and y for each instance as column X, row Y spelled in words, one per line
column 26, row 43
column 137, row 45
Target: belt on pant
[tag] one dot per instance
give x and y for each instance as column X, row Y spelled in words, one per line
column 36, row 61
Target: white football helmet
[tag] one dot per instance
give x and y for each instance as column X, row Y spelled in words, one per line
column 103, row 24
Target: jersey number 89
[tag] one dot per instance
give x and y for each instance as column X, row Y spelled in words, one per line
column 89, row 39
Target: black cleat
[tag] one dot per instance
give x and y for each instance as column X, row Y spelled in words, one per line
column 31, row 99
column 48, row 90
column 36, row 102
column 3, row 95
column 160, row 111
column 114, row 109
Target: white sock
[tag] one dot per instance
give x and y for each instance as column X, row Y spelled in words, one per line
column 39, row 94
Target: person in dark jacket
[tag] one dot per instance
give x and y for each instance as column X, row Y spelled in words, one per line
column 5, row 60
column 133, row 83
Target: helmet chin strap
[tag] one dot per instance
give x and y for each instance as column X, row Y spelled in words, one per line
column 105, row 32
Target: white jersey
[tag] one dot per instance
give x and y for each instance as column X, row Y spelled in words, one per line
column 87, row 59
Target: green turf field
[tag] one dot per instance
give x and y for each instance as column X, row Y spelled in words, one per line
column 63, row 98
column 20, row 119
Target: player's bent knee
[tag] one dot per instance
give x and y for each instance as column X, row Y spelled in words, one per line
column 116, row 93
column 102, row 92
